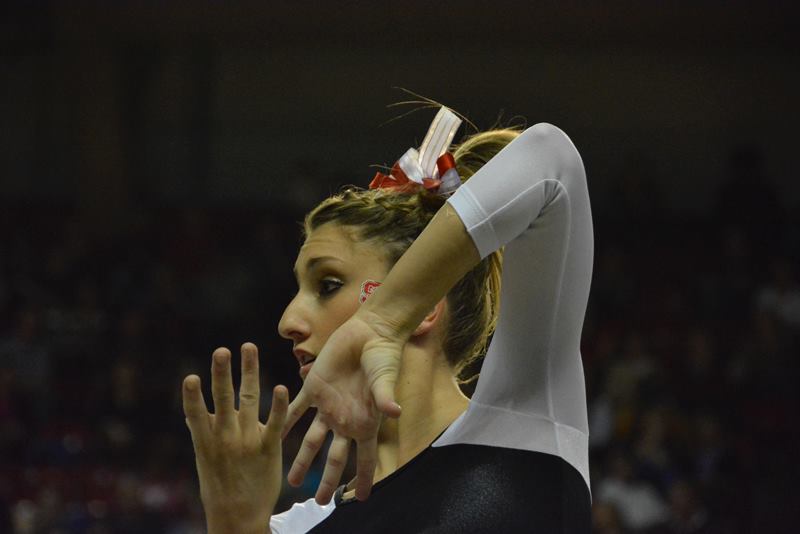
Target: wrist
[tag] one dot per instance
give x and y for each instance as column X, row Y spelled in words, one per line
column 237, row 518
column 389, row 322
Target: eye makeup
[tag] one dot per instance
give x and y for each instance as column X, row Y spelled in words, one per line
column 328, row 286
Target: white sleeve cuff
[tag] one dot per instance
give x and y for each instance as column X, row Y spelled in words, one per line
column 475, row 220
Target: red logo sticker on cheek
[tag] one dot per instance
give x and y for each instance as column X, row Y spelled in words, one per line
column 366, row 290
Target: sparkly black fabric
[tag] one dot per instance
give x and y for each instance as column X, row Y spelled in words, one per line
column 470, row 489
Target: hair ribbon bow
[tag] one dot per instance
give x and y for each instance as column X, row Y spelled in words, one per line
column 432, row 166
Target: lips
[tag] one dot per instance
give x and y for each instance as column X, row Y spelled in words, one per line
column 305, row 359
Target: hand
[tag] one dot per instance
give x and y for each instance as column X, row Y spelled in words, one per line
column 238, row 458
column 352, row 385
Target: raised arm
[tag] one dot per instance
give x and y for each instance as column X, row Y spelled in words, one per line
column 496, row 205
column 538, row 172
column 532, row 198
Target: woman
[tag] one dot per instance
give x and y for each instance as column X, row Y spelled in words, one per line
column 398, row 292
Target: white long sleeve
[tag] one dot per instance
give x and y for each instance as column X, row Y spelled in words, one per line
column 533, row 199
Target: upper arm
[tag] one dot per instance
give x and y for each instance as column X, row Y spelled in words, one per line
column 532, row 199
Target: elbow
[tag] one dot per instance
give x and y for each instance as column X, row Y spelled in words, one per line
column 542, row 131
column 552, row 144
column 546, row 135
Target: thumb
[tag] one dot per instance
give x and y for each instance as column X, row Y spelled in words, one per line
column 385, row 402
column 382, row 387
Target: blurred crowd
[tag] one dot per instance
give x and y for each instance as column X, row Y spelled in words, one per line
column 690, row 350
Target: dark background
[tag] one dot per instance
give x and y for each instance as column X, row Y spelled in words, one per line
column 156, row 157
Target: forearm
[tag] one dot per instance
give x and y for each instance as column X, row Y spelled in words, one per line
column 437, row 259
column 234, row 503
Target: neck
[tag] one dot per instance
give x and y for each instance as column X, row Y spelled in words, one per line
column 431, row 401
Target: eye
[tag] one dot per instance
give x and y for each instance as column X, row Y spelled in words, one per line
column 328, row 286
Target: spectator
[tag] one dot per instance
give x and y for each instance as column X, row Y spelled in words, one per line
column 639, row 504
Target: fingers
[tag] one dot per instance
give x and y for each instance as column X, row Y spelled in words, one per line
column 277, row 417
column 315, row 437
column 249, row 392
column 299, row 406
column 222, row 388
column 336, row 462
column 366, row 459
column 194, row 407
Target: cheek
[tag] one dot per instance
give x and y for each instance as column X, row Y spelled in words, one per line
column 341, row 308
column 348, row 303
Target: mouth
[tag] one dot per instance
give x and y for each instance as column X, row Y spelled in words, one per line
column 305, row 359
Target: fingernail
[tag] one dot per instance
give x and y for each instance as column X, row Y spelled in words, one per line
column 220, row 357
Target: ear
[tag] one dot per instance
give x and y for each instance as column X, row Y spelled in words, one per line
column 430, row 320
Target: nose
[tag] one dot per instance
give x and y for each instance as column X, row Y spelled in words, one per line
column 293, row 324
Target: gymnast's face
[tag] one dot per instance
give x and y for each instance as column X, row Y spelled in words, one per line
column 330, row 269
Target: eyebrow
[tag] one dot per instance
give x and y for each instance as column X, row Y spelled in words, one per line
column 313, row 262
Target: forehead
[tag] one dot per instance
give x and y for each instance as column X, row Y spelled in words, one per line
column 335, row 241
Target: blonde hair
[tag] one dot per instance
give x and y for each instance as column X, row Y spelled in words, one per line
column 394, row 220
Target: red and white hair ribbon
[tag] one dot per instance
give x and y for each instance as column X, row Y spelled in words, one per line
column 432, row 166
